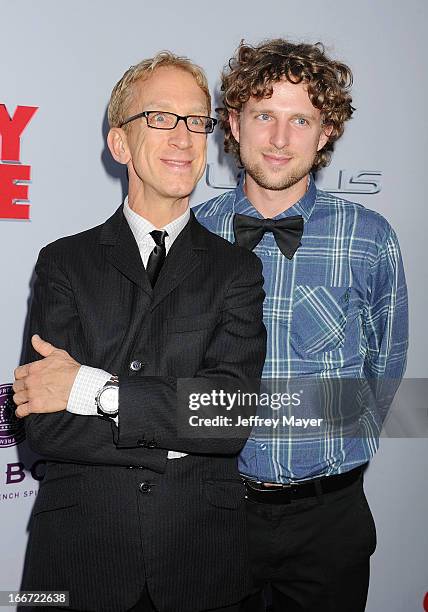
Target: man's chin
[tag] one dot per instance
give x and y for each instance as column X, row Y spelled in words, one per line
column 179, row 190
column 275, row 183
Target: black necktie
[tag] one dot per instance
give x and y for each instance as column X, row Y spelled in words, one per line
column 287, row 232
column 157, row 256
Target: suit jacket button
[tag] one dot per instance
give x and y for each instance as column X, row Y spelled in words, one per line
column 135, row 365
column 152, row 444
column 142, row 443
column 145, row 487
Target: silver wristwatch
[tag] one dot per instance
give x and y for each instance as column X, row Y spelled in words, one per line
column 107, row 399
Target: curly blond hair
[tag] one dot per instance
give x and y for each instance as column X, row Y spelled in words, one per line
column 123, row 90
column 253, row 71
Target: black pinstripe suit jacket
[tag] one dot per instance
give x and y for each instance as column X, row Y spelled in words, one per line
column 94, row 530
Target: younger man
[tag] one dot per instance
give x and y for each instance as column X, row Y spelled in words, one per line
column 335, row 308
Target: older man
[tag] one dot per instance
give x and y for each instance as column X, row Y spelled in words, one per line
column 130, row 515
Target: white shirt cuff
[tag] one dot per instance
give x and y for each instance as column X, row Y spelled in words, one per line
column 84, row 390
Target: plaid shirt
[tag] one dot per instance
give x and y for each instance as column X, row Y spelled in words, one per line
column 338, row 309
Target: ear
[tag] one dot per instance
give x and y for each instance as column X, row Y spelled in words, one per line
column 234, row 124
column 326, row 130
column 118, row 144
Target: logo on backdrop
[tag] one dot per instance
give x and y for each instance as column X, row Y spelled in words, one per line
column 356, row 181
column 347, row 181
column 14, row 175
column 12, row 430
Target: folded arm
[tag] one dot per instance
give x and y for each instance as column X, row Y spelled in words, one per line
column 147, row 405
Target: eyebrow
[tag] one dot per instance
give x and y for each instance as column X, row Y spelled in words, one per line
column 166, row 106
column 270, row 111
column 305, row 116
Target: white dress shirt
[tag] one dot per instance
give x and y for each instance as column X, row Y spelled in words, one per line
column 90, row 380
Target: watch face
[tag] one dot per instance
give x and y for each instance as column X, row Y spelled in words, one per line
column 108, row 400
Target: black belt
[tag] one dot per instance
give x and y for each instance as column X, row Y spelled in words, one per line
column 284, row 494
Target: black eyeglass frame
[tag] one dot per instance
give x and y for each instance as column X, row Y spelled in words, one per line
column 146, row 114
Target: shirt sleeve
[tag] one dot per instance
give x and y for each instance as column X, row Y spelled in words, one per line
column 386, row 322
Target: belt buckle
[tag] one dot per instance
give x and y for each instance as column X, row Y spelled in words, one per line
column 259, row 485
column 281, row 486
column 272, row 486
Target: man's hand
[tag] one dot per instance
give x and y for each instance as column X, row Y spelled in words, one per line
column 45, row 385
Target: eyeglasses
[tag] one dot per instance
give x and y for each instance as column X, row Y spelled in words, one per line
column 167, row 121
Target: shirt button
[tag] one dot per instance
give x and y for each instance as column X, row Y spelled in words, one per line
column 135, row 365
column 145, row 487
column 263, row 446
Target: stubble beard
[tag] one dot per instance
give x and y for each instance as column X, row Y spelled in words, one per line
column 283, row 180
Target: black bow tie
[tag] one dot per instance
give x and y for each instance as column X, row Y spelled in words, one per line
column 287, row 232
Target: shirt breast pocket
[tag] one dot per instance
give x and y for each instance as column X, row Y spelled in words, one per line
column 319, row 318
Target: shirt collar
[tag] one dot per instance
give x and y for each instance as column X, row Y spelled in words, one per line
column 141, row 227
column 303, row 207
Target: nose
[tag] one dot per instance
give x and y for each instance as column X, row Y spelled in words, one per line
column 180, row 136
column 280, row 134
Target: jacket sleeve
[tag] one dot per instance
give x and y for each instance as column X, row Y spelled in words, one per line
column 63, row 436
column 148, row 406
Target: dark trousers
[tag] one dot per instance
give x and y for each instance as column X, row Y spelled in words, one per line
column 144, row 604
column 314, row 552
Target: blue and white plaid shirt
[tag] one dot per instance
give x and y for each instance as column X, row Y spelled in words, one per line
column 338, row 309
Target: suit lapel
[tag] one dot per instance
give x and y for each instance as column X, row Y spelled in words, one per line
column 182, row 260
column 124, row 253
